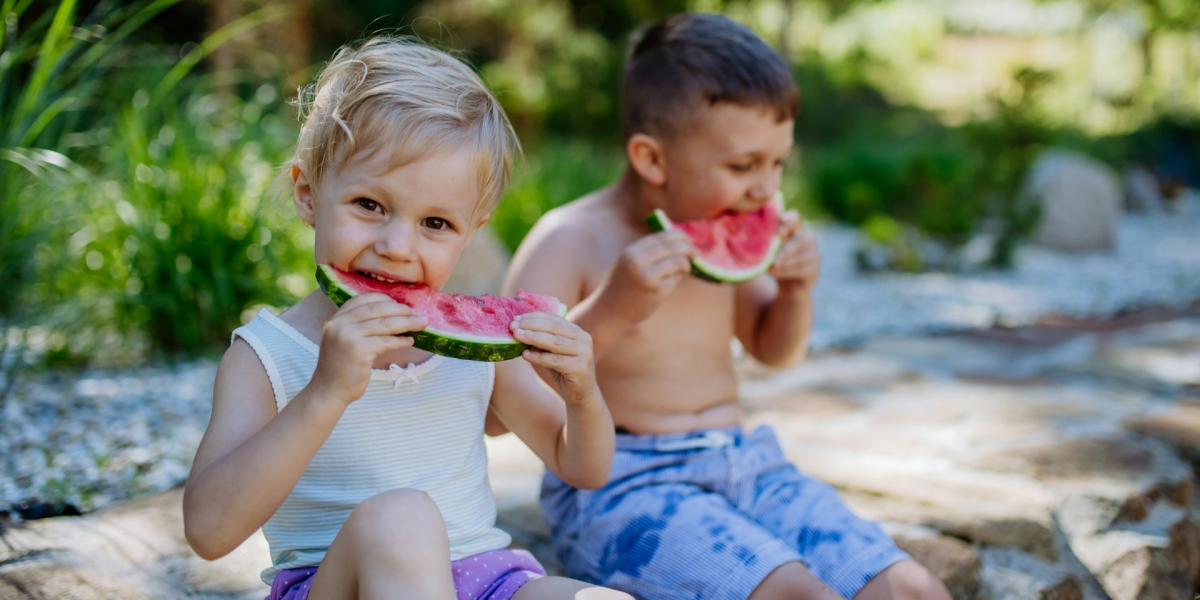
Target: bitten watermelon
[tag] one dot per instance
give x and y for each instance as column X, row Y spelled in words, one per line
column 460, row 326
column 732, row 248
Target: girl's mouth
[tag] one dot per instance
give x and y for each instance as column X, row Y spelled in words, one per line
column 378, row 277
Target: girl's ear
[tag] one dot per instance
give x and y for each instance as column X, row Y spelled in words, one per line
column 646, row 157
column 302, row 195
column 482, row 221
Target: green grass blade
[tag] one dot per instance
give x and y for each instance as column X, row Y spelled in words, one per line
column 48, row 58
column 214, row 41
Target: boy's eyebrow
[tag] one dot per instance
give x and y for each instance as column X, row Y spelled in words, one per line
column 756, row 153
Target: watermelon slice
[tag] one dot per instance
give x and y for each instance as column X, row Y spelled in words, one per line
column 460, row 326
column 734, row 247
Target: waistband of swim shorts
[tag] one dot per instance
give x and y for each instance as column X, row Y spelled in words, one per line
column 677, row 442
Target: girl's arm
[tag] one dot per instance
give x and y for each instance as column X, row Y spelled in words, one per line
column 571, row 431
column 250, row 458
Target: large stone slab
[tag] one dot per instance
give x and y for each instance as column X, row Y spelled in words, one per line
column 139, row 544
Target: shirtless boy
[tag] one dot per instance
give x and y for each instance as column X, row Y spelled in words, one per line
column 695, row 506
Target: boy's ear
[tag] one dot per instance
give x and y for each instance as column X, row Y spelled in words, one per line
column 302, row 195
column 646, row 157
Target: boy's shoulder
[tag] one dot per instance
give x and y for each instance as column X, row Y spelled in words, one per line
column 586, row 218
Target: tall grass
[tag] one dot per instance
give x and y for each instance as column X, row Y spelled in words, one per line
column 128, row 190
column 51, row 65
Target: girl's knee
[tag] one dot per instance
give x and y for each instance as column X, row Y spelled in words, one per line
column 404, row 521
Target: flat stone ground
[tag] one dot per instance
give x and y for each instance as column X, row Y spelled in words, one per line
column 1049, row 462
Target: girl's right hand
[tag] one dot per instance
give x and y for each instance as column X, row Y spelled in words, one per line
column 364, row 327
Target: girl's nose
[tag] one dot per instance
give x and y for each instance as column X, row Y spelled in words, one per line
column 396, row 242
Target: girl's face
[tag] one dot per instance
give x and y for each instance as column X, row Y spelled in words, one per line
column 402, row 224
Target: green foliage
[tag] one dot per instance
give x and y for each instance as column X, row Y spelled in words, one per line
column 187, row 248
column 51, row 64
column 554, row 173
column 128, row 203
column 921, row 199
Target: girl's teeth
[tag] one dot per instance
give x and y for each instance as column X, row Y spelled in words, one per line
column 378, row 278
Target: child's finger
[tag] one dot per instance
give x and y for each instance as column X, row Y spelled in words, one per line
column 394, row 325
column 669, row 247
column 540, row 321
column 550, row 342
column 549, row 360
column 669, row 266
column 790, row 223
column 379, row 308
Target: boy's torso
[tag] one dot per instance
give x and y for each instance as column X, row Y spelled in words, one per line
column 672, row 372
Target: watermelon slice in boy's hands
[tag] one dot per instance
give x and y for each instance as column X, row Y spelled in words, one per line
column 732, row 248
column 460, row 326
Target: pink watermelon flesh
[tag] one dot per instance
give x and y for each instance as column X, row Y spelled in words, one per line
column 482, row 316
column 734, row 240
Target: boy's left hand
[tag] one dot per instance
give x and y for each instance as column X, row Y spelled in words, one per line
column 561, row 347
column 798, row 264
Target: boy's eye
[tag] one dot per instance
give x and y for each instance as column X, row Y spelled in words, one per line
column 436, row 223
column 740, row 167
column 368, row 204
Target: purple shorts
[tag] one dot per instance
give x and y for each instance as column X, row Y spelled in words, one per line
column 495, row 575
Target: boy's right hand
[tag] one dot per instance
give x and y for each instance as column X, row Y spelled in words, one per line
column 364, row 327
column 646, row 272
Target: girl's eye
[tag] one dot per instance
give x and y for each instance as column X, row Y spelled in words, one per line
column 368, row 204
column 436, row 223
column 741, row 168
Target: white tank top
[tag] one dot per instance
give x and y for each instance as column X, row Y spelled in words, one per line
column 418, row 428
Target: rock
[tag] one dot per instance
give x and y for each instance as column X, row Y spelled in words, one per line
column 62, row 583
column 955, row 562
column 481, row 266
column 1155, row 557
column 1009, row 574
column 1143, row 192
column 1080, row 201
column 1179, row 425
column 139, row 544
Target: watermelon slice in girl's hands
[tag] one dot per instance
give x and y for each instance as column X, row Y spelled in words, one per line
column 732, row 248
column 460, row 326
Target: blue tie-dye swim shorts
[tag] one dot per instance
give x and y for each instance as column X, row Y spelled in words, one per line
column 709, row 514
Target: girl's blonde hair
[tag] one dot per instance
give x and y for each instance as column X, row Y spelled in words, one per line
column 400, row 96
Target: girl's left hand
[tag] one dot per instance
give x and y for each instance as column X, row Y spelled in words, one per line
column 798, row 264
column 561, row 347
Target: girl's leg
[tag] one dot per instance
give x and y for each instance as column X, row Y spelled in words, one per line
column 557, row 588
column 393, row 546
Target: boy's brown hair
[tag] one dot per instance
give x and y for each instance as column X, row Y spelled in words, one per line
column 692, row 60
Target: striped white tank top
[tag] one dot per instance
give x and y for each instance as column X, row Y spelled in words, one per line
column 421, row 429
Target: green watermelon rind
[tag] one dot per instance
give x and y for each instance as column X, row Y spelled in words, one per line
column 658, row 221
column 446, row 343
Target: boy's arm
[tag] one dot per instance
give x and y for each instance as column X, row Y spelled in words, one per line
column 250, row 458
column 554, row 260
column 774, row 312
column 773, row 322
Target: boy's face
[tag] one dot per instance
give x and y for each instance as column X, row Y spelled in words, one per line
column 731, row 157
column 405, row 223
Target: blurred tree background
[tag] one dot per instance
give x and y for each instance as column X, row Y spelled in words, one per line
column 138, row 140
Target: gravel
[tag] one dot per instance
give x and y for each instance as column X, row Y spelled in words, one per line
column 96, row 438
